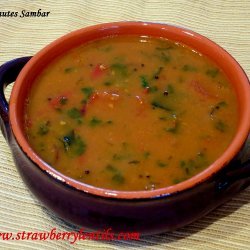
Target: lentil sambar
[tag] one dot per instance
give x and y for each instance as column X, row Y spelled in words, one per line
column 131, row 113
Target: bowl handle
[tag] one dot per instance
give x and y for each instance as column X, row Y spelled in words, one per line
column 238, row 170
column 8, row 74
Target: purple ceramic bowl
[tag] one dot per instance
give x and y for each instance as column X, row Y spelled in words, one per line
column 147, row 212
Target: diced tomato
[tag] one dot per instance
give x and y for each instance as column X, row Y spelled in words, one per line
column 197, row 86
column 145, row 90
column 83, row 109
column 93, row 97
column 56, row 101
column 81, row 159
column 108, row 97
column 99, row 70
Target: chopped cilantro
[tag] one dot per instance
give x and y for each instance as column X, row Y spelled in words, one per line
column 160, row 105
column 43, row 128
column 106, row 48
column 146, row 154
column 165, row 57
column 73, row 144
column 222, row 104
column 107, row 83
column 174, row 129
column 189, row 68
column 95, row 121
column 164, row 48
column 134, row 162
column 68, row 139
column 157, row 73
column 117, row 157
column 87, row 91
column 79, row 146
column 217, row 107
column 161, row 164
column 221, row 126
column 74, row 113
column 109, row 122
column 176, row 181
column 63, row 100
column 111, row 168
column 118, row 178
column 144, row 82
column 120, row 69
column 125, row 145
column 170, row 89
column 69, row 69
column 212, row 72
column 197, row 162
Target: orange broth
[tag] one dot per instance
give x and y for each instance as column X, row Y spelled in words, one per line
column 131, row 113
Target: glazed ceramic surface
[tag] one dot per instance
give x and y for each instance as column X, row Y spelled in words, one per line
column 145, row 211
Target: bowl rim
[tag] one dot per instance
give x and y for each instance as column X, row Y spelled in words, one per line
column 227, row 156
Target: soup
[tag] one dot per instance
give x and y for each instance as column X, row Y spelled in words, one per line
column 131, row 113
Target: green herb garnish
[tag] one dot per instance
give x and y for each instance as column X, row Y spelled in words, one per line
column 220, row 126
column 63, row 100
column 134, row 162
column 175, row 128
column 197, row 162
column 165, row 57
column 217, row 107
column 157, row 73
column 67, row 140
column 111, row 168
column 164, row 48
column 120, row 69
column 95, row 122
column 146, row 155
column 109, row 122
column 74, row 113
column 170, row 89
column 117, row 157
column 212, row 72
column 43, row 128
column 69, row 69
column 189, row 68
column 73, row 144
column 106, row 49
column 161, row 164
column 87, row 91
column 145, row 84
column 118, row 178
column 160, row 105
column 108, row 83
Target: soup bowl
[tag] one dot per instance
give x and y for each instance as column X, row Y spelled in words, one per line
column 148, row 212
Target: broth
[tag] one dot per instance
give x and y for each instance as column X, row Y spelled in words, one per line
column 131, row 113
